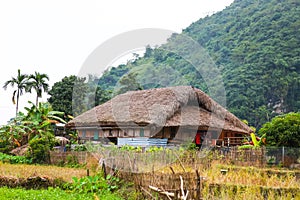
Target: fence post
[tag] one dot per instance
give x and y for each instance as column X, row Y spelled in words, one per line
column 198, row 189
column 283, row 155
column 104, row 169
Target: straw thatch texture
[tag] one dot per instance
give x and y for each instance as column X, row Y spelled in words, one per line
column 172, row 106
column 195, row 116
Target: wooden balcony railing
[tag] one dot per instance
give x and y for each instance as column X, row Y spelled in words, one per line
column 232, row 141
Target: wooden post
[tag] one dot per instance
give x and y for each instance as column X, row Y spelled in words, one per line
column 283, row 156
column 198, row 189
column 87, row 172
column 104, row 169
column 172, row 169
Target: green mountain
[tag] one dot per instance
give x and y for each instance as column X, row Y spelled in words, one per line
column 247, row 58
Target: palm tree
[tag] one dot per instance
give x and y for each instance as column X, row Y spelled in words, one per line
column 21, row 81
column 37, row 81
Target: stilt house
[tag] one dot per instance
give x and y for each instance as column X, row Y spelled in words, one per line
column 162, row 116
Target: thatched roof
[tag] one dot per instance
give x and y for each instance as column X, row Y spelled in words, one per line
column 20, row 151
column 62, row 140
column 171, row 106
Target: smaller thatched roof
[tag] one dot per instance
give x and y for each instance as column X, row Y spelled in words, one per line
column 62, row 140
column 171, row 106
column 20, row 151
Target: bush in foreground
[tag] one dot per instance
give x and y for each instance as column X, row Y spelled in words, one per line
column 283, row 130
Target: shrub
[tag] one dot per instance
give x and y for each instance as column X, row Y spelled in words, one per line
column 39, row 148
column 80, row 147
column 283, row 130
column 14, row 159
column 95, row 184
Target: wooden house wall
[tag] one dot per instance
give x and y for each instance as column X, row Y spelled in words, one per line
column 165, row 132
column 173, row 134
column 110, row 132
column 212, row 136
column 89, row 133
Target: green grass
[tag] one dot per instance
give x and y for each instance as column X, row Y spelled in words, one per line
column 20, row 172
column 52, row 194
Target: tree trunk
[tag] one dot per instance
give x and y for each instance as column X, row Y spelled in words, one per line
column 17, row 106
column 37, row 100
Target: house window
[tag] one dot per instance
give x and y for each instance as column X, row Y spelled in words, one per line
column 83, row 133
column 142, row 132
column 96, row 135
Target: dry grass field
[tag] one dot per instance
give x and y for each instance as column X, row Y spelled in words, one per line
column 52, row 172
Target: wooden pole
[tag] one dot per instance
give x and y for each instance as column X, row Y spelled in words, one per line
column 104, row 169
column 283, row 156
column 172, row 169
column 198, row 190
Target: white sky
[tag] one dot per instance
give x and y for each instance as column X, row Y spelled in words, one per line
column 55, row 37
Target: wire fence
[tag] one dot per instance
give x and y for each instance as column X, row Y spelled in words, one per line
column 151, row 161
column 165, row 169
column 283, row 156
column 265, row 156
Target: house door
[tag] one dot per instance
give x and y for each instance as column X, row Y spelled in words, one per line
column 199, row 138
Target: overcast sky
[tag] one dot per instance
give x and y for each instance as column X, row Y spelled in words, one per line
column 55, row 37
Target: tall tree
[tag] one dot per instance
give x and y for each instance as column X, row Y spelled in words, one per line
column 74, row 95
column 37, row 81
column 62, row 95
column 129, row 83
column 21, row 81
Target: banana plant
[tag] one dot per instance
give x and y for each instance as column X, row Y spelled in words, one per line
column 41, row 118
column 44, row 112
column 255, row 142
column 36, row 123
column 13, row 134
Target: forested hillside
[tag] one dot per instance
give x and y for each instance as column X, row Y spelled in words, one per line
column 255, row 44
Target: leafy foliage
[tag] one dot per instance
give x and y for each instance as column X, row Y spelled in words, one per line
column 37, row 81
column 94, row 184
column 41, row 137
column 35, row 128
column 21, row 81
column 39, row 148
column 11, row 136
column 74, row 95
column 49, row 194
column 109, row 187
column 27, row 82
column 131, row 148
column 255, row 142
column 283, row 130
column 5, row 158
column 254, row 45
column 128, row 83
column 62, row 93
